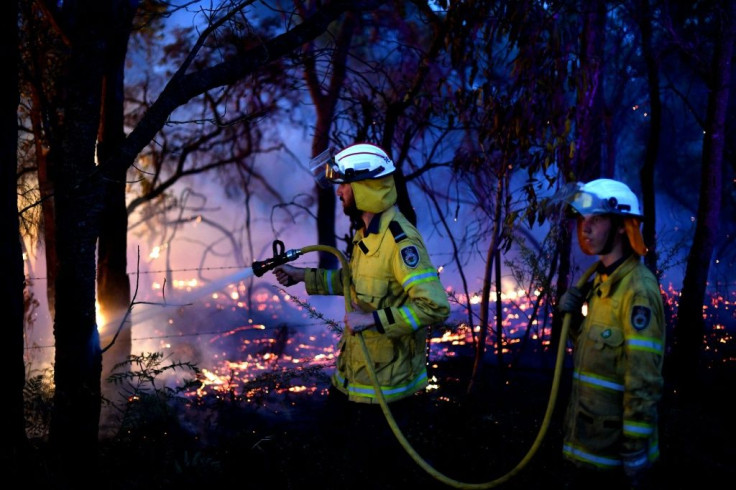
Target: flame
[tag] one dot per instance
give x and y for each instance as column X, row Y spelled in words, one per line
column 100, row 318
column 255, row 351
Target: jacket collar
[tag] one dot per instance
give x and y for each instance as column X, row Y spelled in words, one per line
column 374, row 225
column 369, row 240
column 603, row 270
column 606, row 285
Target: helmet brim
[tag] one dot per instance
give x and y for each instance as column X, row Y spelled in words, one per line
column 587, row 204
column 327, row 173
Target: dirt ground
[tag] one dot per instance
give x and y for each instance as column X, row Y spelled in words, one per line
column 265, row 441
column 465, row 441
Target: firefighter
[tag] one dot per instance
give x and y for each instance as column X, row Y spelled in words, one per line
column 395, row 293
column 610, row 428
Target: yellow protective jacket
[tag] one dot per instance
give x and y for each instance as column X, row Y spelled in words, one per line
column 617, row 373
column 393, row 277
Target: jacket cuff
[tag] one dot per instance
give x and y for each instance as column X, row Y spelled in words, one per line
column 377, row 322
column 310, row 280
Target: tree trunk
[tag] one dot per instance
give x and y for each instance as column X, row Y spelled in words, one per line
column 646, row 173
column 325, row 102
column 499, row 314
column 569, row 162
column 113, row 283
column 14, row 442
column 35, row 70
column 590, row 94
column 690, row 326
column 78, row 360
column 484, row 321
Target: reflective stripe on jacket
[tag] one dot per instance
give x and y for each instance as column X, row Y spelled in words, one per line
column 617, row 379
column 393, row 277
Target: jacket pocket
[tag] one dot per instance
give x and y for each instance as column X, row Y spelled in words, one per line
column 370, row 291
column 599, row 433
column 603, row 336
column 382, row 356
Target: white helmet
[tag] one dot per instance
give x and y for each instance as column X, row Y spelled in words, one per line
column 605, row 196
column 356, row 162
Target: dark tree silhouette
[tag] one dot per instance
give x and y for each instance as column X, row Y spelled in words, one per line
column 14, row 442
column 113, row 283
column 690, row 325
column 325, row 98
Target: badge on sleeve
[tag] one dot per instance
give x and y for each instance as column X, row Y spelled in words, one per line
column 410, row 256
column 640, row 317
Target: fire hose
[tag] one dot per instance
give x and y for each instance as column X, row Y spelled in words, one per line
column 281, row 257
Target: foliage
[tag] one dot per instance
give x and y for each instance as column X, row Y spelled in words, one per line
column 187, row 434
column 333, row 325
column 38, row 394
column 152, row 406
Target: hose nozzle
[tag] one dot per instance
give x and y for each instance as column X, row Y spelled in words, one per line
column 280, row 256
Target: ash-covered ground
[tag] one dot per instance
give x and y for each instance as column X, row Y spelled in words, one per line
column 276, row 441
column 267, row 430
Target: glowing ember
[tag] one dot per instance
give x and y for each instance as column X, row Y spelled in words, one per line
column 278, row 348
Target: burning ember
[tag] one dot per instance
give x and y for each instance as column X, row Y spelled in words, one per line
column 280, row 345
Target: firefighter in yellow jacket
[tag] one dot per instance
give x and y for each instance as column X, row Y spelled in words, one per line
column 611, row 419
column 395, row 292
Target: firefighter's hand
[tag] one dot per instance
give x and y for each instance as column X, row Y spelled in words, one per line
column 572, row 300
column 358, row 321
column 288, row 275
column 636, row 464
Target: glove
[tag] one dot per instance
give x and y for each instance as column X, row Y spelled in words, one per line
column 572, row 300
column 636, row 464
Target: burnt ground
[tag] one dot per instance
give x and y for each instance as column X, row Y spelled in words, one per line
column 256, row 443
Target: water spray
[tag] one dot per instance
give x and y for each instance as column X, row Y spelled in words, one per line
column 149, row 311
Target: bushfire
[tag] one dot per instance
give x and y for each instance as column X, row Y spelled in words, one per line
column 273, row 341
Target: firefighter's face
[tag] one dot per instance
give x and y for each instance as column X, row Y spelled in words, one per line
column 345, row 193
column 595, row 231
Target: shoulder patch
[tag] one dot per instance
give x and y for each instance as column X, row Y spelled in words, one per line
column 640, row 317
column 410, row 256
column 396, row 230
